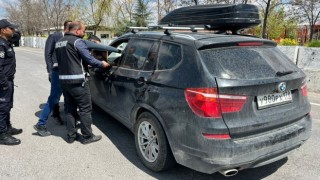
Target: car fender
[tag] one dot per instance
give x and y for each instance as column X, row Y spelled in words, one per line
column 145, row 107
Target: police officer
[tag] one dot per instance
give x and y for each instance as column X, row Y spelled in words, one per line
column 7, row 71
column 71, row 50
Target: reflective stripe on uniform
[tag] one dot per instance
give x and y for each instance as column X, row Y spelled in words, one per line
column 55, row 65
column 78, row 76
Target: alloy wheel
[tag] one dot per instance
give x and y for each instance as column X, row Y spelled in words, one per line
column 148, row 141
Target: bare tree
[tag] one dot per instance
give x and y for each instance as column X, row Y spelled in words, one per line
column 188, row 2
column 124, row 10
column 164, row 7
column 121, row 15
column 227, row 1
column 26, row 14
column 55, row 12
column 307, row 11
column 94, row 12
column 99, row 8
column 34, row 15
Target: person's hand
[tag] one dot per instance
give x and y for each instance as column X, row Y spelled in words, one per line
column 105, row 64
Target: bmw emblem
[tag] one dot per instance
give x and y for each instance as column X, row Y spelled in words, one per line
column 282, row 87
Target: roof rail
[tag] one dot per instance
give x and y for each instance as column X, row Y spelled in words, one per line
column 136, row 27
column 135, row 30
column 166, row 28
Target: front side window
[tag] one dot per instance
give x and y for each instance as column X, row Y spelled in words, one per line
column 114, row 57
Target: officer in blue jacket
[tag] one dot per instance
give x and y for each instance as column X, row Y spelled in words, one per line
column 7, row 71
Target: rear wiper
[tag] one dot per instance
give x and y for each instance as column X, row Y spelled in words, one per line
column 283, row 73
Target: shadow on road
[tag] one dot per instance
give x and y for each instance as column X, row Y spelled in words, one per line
column 53, row 126
column 123, row 139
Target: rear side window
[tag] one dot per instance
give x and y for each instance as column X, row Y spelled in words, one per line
column 246, row 62
column 169, row 56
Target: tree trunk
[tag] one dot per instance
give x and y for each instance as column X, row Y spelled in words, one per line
column 265, row 20
column 196, row 2
column 311, row 32
column 158, row 12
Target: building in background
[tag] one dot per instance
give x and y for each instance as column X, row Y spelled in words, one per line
column 303, row 32
column 103, row 32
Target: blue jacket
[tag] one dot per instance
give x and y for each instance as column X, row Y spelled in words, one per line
column 49, row 49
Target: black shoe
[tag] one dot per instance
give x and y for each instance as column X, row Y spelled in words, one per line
column 93, row 138
column 42, row 130
column 7, row 139
column 13, row 131
column 71, row 140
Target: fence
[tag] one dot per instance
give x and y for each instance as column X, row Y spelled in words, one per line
column 39, row 42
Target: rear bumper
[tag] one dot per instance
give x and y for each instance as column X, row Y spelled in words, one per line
column 253, row 151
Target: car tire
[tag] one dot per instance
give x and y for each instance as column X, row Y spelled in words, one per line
column 151, row 143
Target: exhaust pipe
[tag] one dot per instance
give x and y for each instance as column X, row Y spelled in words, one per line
column 229, row 172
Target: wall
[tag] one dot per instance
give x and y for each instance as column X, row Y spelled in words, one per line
column 308, row 59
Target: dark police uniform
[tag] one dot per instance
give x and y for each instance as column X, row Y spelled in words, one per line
column 7, row 71
column 70, row 52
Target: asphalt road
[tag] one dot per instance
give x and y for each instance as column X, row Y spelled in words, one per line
column 113, row 157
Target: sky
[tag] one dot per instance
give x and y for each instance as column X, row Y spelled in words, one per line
column 2, row 11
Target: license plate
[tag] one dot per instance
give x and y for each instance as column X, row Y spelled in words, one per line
column 269, row 100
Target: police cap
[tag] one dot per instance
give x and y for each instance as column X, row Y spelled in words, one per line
column 5, row 23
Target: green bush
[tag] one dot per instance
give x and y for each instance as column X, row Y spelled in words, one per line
column 288, row 42
column 314, row 44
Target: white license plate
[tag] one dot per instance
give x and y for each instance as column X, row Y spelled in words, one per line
column 269, row 100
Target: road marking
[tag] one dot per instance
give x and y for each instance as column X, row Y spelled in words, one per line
column 315, row 104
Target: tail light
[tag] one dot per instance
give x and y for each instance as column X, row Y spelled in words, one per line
column 250, row 44
column 304, row 90
column 207, row 102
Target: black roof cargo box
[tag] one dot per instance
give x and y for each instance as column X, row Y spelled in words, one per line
column 219, row 17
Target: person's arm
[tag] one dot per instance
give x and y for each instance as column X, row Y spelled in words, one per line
column 86, row 56
column 3, row 78
column 48, row 52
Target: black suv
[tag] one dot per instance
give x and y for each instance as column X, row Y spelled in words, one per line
column 211, row 102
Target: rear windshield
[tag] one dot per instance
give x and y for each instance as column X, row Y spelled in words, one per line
column 246, row 62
